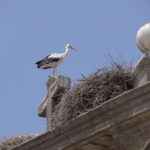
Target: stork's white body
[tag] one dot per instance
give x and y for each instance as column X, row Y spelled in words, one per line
column 54, row 64
column 54, row 60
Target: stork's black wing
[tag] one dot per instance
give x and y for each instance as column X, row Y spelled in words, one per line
column 43, row 61
column 46, row 61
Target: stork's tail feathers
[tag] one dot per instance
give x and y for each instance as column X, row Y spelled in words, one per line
column 43, row 64
column 39, row 63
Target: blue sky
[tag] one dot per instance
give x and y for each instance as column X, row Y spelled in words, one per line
column 30, row 29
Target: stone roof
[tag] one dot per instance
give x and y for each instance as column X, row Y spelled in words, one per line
column 121, row 123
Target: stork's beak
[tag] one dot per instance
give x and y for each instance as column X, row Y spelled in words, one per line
column 74, row 48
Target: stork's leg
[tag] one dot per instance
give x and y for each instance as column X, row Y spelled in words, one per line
column 55, row 72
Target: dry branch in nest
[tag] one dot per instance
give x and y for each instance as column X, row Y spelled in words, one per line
column 92, row 91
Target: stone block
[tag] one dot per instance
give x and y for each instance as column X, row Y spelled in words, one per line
column 54, row 87
column 142, row 71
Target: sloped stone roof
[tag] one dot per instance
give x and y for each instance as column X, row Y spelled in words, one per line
column 120, row 123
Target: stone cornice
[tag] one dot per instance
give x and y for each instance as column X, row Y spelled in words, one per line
column 128, row 105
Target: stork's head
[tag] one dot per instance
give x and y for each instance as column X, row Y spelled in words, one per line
column 69, row 46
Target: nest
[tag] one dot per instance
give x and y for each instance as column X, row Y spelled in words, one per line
column 14, row 141
column 92, row 91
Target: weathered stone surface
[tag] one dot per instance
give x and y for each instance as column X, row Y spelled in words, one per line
column 43, row 105
column 56, row 87
column 147, row 146
column 122, row 123
column 142, row 71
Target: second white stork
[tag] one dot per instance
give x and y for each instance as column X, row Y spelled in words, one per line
column 53, row 60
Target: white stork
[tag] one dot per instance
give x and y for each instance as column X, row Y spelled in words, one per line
column 53, row 60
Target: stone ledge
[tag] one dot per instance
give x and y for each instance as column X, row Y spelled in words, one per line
column 112, row 113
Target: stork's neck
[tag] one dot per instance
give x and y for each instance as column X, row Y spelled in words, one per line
column 66, row 52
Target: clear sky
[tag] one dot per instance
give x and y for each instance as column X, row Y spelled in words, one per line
column 30, row 29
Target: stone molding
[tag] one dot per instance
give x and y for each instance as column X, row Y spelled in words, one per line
column 116, row 116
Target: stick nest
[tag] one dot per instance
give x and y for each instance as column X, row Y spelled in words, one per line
column 92, row 91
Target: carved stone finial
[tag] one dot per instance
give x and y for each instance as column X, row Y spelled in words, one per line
column 143, row 39
column 142, row 69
